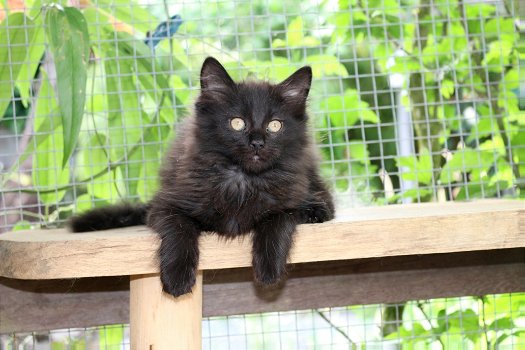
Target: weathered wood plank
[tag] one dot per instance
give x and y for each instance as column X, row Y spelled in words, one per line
column 159, row 321
column 53, row 304
column 359, row 233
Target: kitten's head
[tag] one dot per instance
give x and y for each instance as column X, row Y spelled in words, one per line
column 256, row 125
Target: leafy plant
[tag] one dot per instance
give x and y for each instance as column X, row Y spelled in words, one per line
column 100, row 103
column 135, row 94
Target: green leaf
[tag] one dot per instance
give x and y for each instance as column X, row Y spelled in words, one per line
column 502, row 29
column 294, row 34
column 420, row 169
column 341, row 22
column 111, row 337
column 346, row 110
column 16, row 36
column 22, row 226
column 125, row 115
column 476, row 11
column 87, row 202
column 498, row 55
column 148, row 178
column 403, row 332
column 181, row 89
column 48, row 173
column 68, row 38
column 278, row 69
column 358, row 152
column 324, row 65
column 501, row 324
column 409, row 162
column 463, row 161
column 36, row 51
column 447, row 88
column 136, row 18
column 93, row 162
column 437, row 53
column 458, row 37
column 467, row 321
column 424, row 167
column 388, row 7
column 128, row 46
column 405, row 64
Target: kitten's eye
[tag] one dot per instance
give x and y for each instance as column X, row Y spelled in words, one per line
column 274, row 126
column 237, row 124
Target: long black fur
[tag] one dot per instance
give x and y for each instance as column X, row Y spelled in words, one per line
column 121, row 215
column 232, row 182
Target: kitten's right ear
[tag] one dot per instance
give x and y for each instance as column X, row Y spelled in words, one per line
column 214, row 76
column 297, row 85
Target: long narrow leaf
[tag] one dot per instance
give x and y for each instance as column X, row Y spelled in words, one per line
column 47, row 171
column 34, row 55
column 16, row 34
column 68, row 37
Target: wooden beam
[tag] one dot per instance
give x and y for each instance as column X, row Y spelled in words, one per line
column 159, row 321
column 356, row 234
column 54, row 304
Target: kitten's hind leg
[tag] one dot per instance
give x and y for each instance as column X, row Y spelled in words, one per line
column 178, row 252
column 272, row 240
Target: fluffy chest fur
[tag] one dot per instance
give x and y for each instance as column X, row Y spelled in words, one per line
column 226, row 199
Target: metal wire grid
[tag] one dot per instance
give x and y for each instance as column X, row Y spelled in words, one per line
column 493, row 322
column 366, row 130
column 453, row 323
column 112, row 337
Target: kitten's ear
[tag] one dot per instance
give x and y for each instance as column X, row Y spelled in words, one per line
column 214, row 76
column 297, row 85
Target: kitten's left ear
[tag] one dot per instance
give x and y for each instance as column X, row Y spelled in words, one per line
column 297, row 85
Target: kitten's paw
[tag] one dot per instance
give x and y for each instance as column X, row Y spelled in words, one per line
column 267, row 274
column 178, row 281
column 316, row 213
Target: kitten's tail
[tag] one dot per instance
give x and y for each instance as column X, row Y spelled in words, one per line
column 115, row 216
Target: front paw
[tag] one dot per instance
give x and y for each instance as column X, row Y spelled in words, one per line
column 316, row 213
column 268, row 273
column 177, row 280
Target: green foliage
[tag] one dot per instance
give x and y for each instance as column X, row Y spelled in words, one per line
column 14, row 37
column 48, row 172
column 115, row 102
column 419, row 168
column 468, row 323
column 68, row 37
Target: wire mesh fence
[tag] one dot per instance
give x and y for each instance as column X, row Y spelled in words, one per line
column 412, row 101
column 489, row 322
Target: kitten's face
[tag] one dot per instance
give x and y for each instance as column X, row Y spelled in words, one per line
column 254, row 124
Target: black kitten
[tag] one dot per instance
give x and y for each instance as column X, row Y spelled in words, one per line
column 243, row 163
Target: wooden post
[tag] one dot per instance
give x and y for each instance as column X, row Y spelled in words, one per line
column 160, row 322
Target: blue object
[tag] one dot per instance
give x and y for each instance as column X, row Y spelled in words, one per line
column 164, row 30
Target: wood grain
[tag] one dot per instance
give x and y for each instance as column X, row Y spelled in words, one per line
column 32, row 305
column 356, row 234
column 159, row 321
column 27, row 306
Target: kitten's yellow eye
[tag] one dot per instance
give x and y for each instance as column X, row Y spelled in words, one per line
column 237, row 124
column 274, row 126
